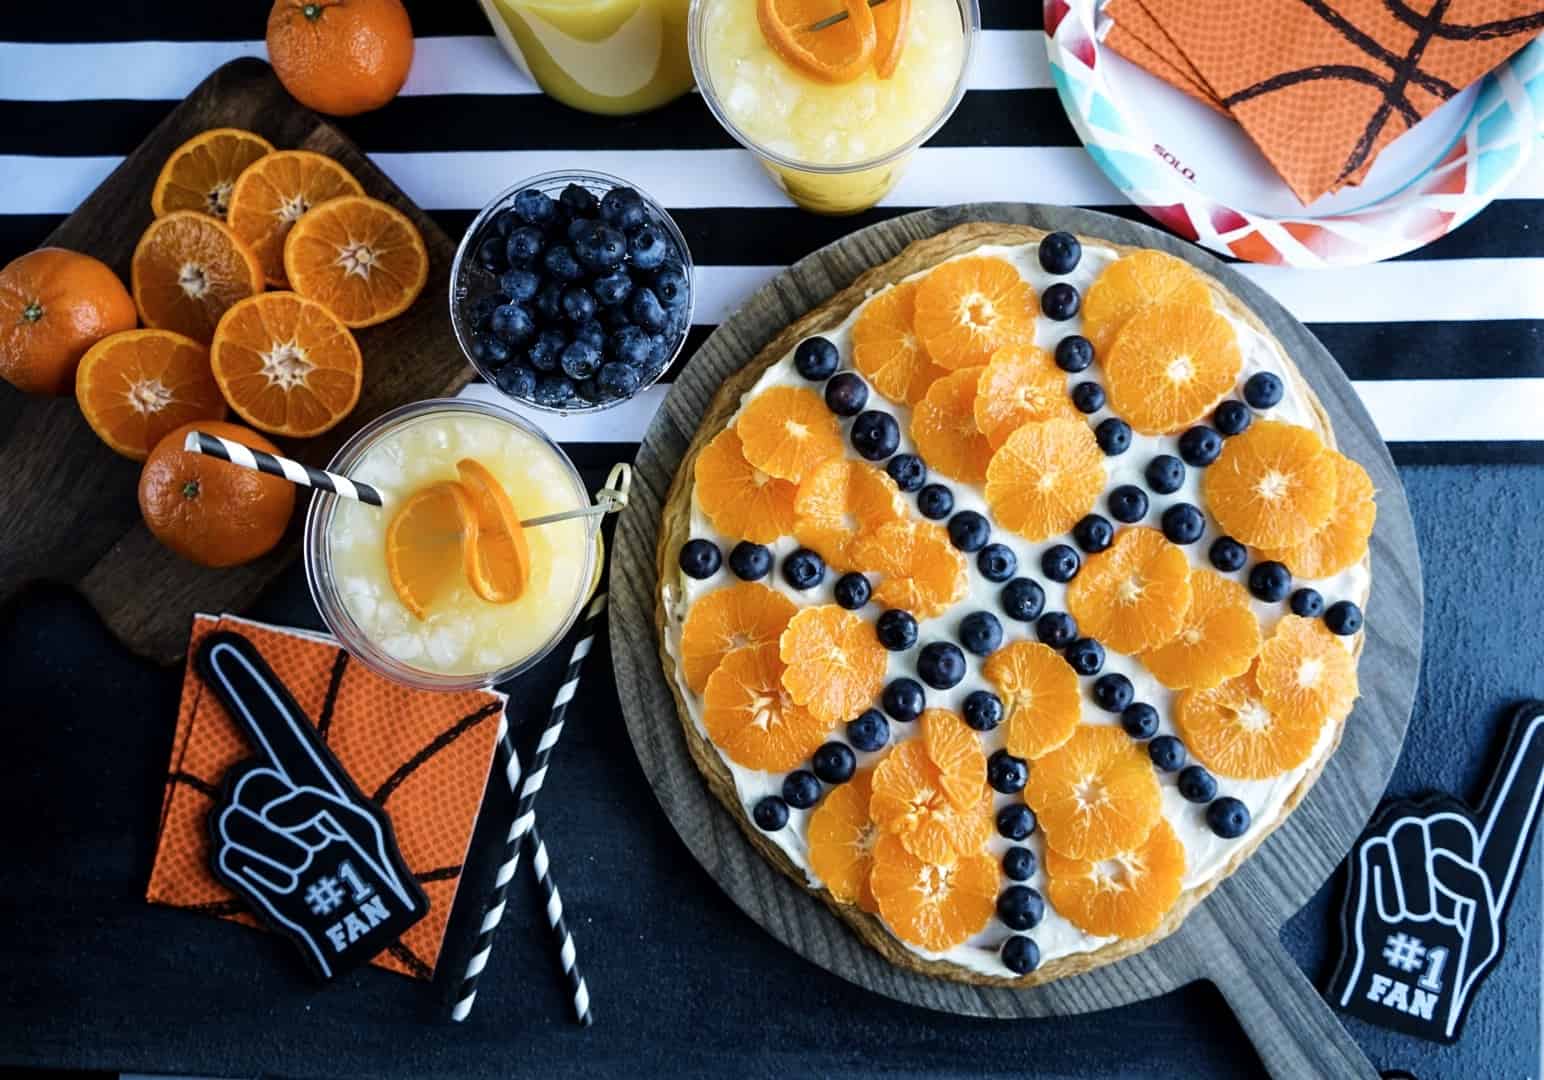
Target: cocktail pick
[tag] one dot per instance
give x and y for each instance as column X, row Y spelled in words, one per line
column 832, row 20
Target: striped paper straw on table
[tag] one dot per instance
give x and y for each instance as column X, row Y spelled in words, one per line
column 199, row 442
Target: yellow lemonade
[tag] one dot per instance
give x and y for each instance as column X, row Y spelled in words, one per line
column 459, row 633
column 602, row 56
column 833, row 147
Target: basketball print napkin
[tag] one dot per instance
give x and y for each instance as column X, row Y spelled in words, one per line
column 422, row 756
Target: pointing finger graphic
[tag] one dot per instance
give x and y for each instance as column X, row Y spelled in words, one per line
column 1511, row 804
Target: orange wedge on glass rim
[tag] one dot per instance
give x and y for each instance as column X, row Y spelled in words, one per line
column 429, row 543
column 836, row 53
column 499, row 563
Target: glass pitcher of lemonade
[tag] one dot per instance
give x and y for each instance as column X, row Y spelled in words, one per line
column 603, row 56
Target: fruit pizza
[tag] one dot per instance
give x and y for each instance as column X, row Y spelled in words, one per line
column 1013, row 596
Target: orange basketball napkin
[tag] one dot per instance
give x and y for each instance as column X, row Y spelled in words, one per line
column 422, row 756
column 1322, row 86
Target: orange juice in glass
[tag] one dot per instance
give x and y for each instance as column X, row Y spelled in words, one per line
column 833, row 95
column 603, row 56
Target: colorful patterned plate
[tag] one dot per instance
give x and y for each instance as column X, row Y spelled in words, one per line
column 1198, row 173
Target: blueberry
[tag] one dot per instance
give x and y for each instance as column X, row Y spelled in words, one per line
column 1019, row 864
column 803, row 569
column 646, row 310
column 1056, row 629
column 579, row 359
column 852, row 591
column 1086, row 656
column 1167, row 753
column 1200, row 446
column 1113, row 692
column 1113, row 436
column 613, row 288
column 1020, row 907
column 896, row 629
column 771, row 814
column 983, row 710
column 1088, row 397
column 603, row 249
column 524, row 245
column 516, row 381
column 1228, row 555
column 997, row 562
column 647, row 248
column 875, row 435
column 479, row 311
column 543, row 353
column 935, row 502
column 631, row 346
column 504, row 222
column 591, row 333
column 969, row 531
column 519, row 285
column 671, row 287
column 835, row 763
column 1023, row 599
column 1196, row 784
column 700, row 559
column 869, row 732
column 750, row 562
column 534, row 207
column 1006, row 773
column 1128, row 503
column 549, row 301
column 903, row 699
column 579, row 229
column 981, row 633
column 580, row 200
column 559, row 261
column 1343, row 617
column 1307, row 602
column 1231, row 417
column 1074, row 353
column 491, row 351
column 800, row 789
column 623, row 208
column 1263, row 390
column 1060, row 252
column 1020, row 954
column 619, row 380
column 553, row 390
column 1060, row 302
column 1015, row 821
column 1140, row 720
column 846, row 394
column 941, row 665
column 1060, row 563
column 816, row 358
column 578, row 303
column 1183, row 523
column 491, row 255
column 1227, row 817
column 1093, row 533
column 512, row 323
column 662, row 350
column 907, row 470
column 1270, row 581
column 1165, row 474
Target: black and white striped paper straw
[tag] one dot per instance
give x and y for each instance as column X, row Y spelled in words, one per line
column 567, row 954
column 295, row 472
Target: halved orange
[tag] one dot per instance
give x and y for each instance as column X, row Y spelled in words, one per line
column 909, row 801
column 286, row 364
column 1132, row 596
column 1232, row 731
column 135, row 386
column 1044, row 477
column 1096, row 795
column 188, row 269
column 273, row 192
column 956, row 750
column 1040, row 695
column 841, row 840
column 359, row 257
column 970, row 307
column 885, row 347
column 1306, row 673
column 738, row 498
column 752, row 719
column 746, row 613
column 1341, row 541
column 943, row 425
column 785, row 431
column 919, row 570
column 201, row 173
column 892, row 21
column 933, row 905
column 1273, row 486
column 837, row 53
column 1126, row 895
column 1130, row 284
column 836, row 665
column 429, row 545
column 1169, row 365
column 500, row 564
column 840, row 500
column 1020, row 385
column 1218, row 638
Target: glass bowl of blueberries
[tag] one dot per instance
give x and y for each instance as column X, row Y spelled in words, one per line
column 571, row 292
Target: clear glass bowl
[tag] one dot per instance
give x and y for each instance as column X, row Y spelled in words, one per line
column 468, row 278
column 322, row 580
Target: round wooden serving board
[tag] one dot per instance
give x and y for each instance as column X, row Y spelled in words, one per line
column 1232, row 938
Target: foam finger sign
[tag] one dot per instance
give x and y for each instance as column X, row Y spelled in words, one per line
column 1423, row 920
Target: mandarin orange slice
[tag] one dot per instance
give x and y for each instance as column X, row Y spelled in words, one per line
column 744, row 614
column 500, row 563
column 135, row 386
column 1130, row 284
column 841, row 841
column 836, row 53
column 968, row 308
column 1231, row 730
column 1169, row 365
column 1126, row 895
column 429, row 545
column 361, row 258
column 1039, row 690
column 909, row 801
column 920, row 571
column 934, row 906
column 1020, row 385
column 886, row 350
column 751, row 718
column 836, row 665
column 1306, row 673
column 840, row 500
column 943, row 425
column 956, row 750
column 201, row 173
column 738, row 498
column 1095, row 795
column 1218, row 638
column 1273, row 486
column 1132, row 596
column 892, row 21
column 188, row 269
column 1341, row 542
column 273, row 192
column 785, row 431
column 1044, row 477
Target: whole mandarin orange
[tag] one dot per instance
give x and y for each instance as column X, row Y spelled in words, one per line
column 54, row 305
column 340, row 57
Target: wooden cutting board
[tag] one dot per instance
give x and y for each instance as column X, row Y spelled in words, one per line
column 70, row 505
